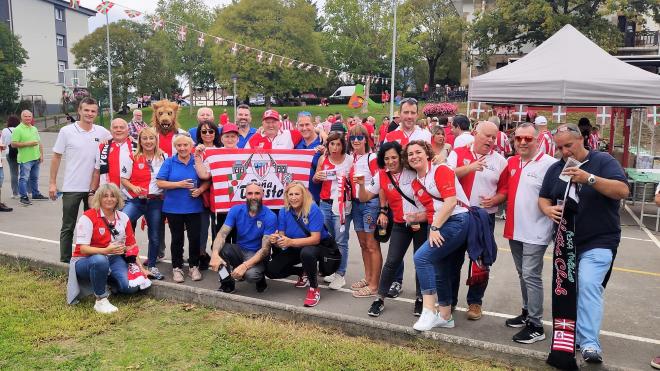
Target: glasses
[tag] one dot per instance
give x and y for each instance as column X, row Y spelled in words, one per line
column 208, row 131
column 409, row 100
column 356, row 137
column 526, row 138
column 565, row 128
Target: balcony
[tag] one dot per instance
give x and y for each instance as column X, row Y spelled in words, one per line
column 640, row 41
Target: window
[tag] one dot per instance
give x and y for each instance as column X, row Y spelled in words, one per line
column 61, row 66
column 59, row 14
column 59, row 39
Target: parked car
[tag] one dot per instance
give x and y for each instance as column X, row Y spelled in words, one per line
column 260, row 100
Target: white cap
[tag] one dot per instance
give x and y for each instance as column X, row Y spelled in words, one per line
column 540, row 120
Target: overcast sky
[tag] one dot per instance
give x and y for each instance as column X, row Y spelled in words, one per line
column 148, row 6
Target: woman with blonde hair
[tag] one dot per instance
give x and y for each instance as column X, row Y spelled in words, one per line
column 143, row 196
column 301, row 233
column 440, row 147
column 103, row 236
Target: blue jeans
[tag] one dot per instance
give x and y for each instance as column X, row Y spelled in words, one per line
column 434, row 263
column 593, row 266
column 29, row 177
column 95, row 269
column 332, row 224
column 151, row 209
column 13, row 173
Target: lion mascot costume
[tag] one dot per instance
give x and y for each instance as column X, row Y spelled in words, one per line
column 164, row 120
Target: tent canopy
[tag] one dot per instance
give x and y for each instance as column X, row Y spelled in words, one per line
column 568, row 69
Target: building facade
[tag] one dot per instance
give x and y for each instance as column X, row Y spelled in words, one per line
column 47, row 30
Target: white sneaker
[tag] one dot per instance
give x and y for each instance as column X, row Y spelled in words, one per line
column 430, row 319
column 104, row 306
column 330, row 278
column 338, row 282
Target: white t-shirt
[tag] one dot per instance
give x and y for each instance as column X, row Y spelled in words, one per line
column 79, row 148
column 5, row 140
column 463, row 140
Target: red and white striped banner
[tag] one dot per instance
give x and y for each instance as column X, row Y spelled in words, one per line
column 233, row 169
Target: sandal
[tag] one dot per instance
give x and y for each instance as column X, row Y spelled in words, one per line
column 359, row 284
column 364, row 292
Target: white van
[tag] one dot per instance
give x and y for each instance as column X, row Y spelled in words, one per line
column 342, row 94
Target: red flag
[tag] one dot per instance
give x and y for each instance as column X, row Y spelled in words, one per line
column 75, row 4
column 477, row 109
column 559, row 114
column 104, row 7
column 181, row 34
column 132, row 13
column 653, row 114
column 520, row 112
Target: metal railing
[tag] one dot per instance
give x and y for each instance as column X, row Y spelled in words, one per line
column 641, row 39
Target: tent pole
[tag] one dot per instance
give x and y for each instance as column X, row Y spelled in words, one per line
column 612, row 128
column 639, row 137
column 626, row 137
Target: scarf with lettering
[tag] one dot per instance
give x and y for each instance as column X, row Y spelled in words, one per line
column 105, row 154
column 564, row 286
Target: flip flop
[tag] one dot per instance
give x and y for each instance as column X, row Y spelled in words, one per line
column 359, row 284
column 364, row 292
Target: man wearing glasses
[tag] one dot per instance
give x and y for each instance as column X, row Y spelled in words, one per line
column 601, row 185
column 529, row 232
column 408, row 130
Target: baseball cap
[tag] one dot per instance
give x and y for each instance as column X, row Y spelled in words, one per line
column 540, row 120
column 229, row 128
column 271, row 114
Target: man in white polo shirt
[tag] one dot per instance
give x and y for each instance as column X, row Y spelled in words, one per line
column 79, row 143
column 271, row 136
column 528, row 230
column 460, row 127
column 481, row 172
column 408, row 129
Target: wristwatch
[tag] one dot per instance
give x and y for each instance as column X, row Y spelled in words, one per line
column 591, row 180
column 435, row 229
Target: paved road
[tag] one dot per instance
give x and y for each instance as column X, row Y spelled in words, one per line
column 631, row 326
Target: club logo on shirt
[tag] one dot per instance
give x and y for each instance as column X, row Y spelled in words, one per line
column 513, row 172
column 420, row 192
column 101, row 230
column 259, row 224
column 141, row 166
column 305, row 220
column 466, row 162
column 389, row 186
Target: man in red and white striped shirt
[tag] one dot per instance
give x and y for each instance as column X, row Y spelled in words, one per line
column 110, row 156
column 482, row 174
column 528, row 230
column 546, row 143
column 408, row 129
column 271, row 136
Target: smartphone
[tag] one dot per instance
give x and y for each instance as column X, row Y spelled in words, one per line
column 223, row 273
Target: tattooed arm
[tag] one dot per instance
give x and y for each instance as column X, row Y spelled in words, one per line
column 218, row 244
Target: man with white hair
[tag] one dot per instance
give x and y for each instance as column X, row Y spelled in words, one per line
column 111, row 155
column 136, row 125
column 30, row 155
column 204, row 115
column 546, row 143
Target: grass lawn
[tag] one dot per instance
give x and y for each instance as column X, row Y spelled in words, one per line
column 38, row 330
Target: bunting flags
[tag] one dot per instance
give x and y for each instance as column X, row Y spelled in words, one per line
column 477, row 109
column 200, row 40
column 520, row 113
column 132, row 13
column 104, row 7
column 75, row 4
column 603, row 115
column 181, row 34
column 559, row 114
column 157, row 24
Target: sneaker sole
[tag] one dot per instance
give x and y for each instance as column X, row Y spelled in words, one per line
column 372, row 314
column 311, row 305
column 515, row 326
column 531, row 341
column 474, row 318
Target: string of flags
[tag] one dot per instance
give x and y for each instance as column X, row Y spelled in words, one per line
column 262, row 56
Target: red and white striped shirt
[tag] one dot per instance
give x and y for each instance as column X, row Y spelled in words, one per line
column 118, row 154
column 285, row 139
column 593, row 141
column 404, row 138
column 287, row 125
column 524, row 220
column 503, row 144
column 333, row 172
column 479, row 184
column 439, row 182
column 546, row 143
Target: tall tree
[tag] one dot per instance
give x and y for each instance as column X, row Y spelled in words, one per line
column 437, row 30
column 282, row 27
column 12, row 57
column 512, row 24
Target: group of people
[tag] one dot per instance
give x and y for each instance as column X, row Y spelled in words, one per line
column 438, row 188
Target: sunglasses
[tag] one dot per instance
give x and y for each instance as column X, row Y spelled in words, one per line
column 208, row 131
column 305, row 114
column 526, row 138
column 565, row 128
column 409, row 100
column 356, row 137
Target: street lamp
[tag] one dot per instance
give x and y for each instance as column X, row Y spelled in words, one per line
column 394, row 4
column 234, row 78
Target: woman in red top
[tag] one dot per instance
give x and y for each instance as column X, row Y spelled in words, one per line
column 438, row 190
column 103, row 236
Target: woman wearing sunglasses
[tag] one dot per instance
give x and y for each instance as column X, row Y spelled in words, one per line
column 364, row 214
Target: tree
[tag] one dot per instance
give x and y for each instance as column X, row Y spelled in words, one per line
column 12, row 57
column 282, row 27
column 512, row 24
column 437, row 30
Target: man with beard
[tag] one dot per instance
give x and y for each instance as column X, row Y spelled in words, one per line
column 243, row 121
column 408, row 130
column 246, row 259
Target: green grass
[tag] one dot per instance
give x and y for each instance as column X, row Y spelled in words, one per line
column 38, row 330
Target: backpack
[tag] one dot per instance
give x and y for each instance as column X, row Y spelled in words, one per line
column 13, row 152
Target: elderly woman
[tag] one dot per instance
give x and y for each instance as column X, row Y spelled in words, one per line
column 143, row 197
column 103, row 236
column 182, row 206
column 299, row 237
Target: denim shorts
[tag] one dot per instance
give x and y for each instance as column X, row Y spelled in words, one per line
column 365, row 215
column 2, row 175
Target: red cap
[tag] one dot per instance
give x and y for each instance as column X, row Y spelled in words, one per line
column 271, row 114
column 332, row 120
column 229, row 127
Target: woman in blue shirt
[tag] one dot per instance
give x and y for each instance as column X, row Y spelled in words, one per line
column 300, row 232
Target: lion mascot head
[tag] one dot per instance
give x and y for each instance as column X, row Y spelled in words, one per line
column 164, row 117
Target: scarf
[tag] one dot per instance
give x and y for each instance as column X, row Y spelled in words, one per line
column 105, row 153
column 564, row 286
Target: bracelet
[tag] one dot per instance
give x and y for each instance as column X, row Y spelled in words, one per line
column 383, row 212
column 92, row 192
column 384, row 208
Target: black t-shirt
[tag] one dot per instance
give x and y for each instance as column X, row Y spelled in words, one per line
column 597, row 224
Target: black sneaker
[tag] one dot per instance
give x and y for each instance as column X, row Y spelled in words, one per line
column 530, row 334
column 228, row 286
column 25, row 201
column 4, row 208
column 204, row 261
column 39, row 197
column 519, row 321
column 395, row 290
column 418, row 308
column 262, row 285
column 591, row 355
column 377, row 307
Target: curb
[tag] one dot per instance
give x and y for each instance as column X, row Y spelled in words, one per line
column 462, row 347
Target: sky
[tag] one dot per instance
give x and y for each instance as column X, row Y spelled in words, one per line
column 148, row 6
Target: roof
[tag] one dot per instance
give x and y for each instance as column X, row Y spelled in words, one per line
column 568, row 69
column 65, row 4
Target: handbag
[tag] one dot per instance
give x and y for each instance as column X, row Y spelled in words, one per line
column 330, row 254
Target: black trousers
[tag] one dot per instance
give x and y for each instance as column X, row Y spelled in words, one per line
column 283, row 263
column 399, row 242
column 180, row 224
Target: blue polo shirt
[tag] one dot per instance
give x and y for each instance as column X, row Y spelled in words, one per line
column 179, row 200
column 243, row 140
column 314, row 188
column 597, row 223
column 314, row 223
column 251, row 230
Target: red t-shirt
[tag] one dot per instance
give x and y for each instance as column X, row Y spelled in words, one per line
column 91, row 230
column 165, row 142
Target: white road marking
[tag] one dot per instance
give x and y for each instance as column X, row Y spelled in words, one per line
column 643, row 227
column 636, row 239
column 403, row 300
